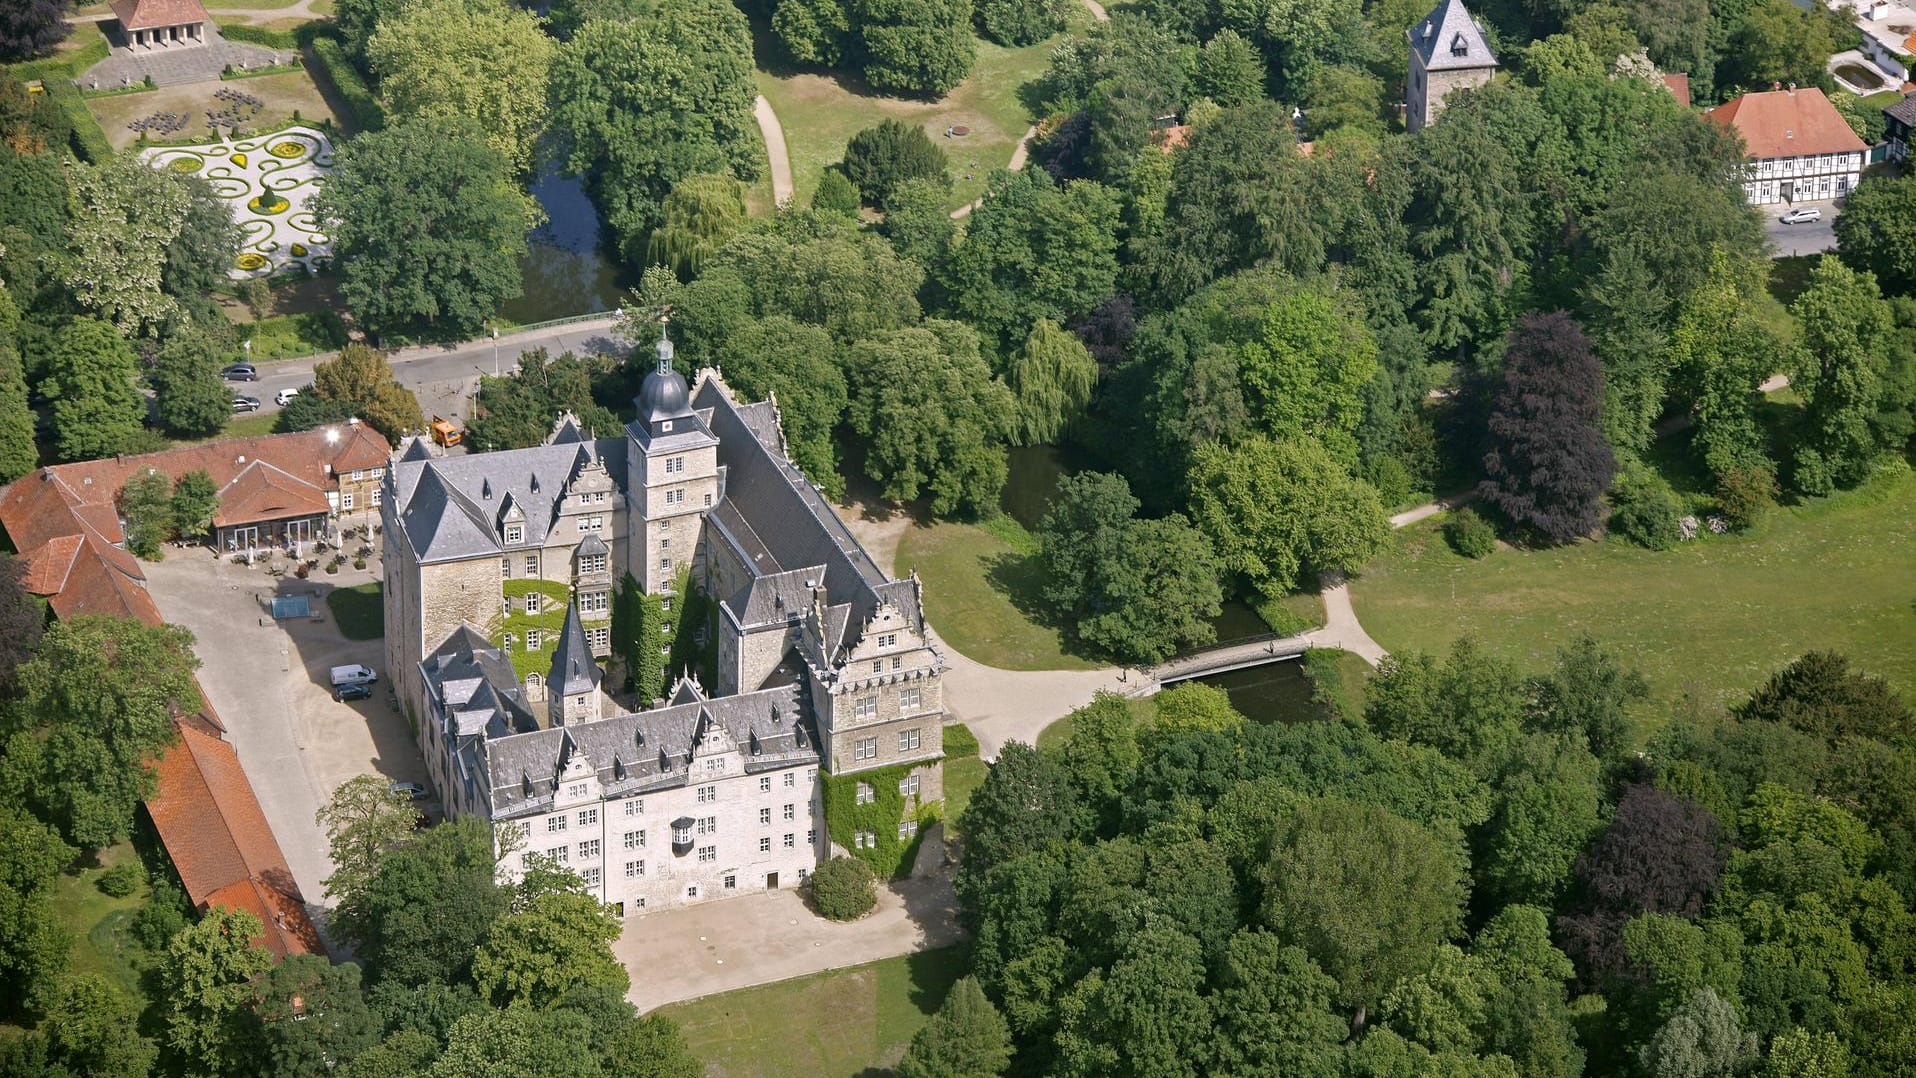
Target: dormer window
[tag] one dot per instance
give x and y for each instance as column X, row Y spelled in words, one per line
column 515, row 533
column 1459, row 47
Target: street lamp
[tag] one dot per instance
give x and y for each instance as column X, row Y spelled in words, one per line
column 495, row 351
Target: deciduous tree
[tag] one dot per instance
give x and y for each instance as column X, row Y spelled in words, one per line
column 32, row 28
column 1877, row 232
column 18, row 452
column 193, row 401
column 1842, row 372
column 1052, row 376
column 935, row 417
column 359, row 382
column 814, row 31
column 90, row 380
column 33, row 947
column 430, row 903
column 1229, row 70
column 1279, row 510
column 1306, row 370
column 920, row 47
column 699, row 214
column 428, row 225
column 145, row 503
column 1549, row 465
column 1703, row 1039
column 518, row 410
column 517, row 1040
column 308, row 1016
column 561, row 940
column 364, row 820
column 208, row 976
column 780, row 357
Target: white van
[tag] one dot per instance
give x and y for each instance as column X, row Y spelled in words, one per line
column 353, row 675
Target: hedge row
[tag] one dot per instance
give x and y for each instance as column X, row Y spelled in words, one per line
column 62, row 68
column 89, row 141
column 260, row 35
column 348, row 84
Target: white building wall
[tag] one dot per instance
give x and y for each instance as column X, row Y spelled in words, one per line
column 1802, row 178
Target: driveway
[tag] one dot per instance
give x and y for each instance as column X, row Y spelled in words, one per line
column 268, row 682
column 1806, row 239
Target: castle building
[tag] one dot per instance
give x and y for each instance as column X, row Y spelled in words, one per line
column 501, row 573
column 1447, row 53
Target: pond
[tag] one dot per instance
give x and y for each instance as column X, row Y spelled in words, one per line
column 1857, row 75
column 1030, row 483
column 1278, row 692
column 567, row 269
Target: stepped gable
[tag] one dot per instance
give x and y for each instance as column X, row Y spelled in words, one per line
column 479, row 485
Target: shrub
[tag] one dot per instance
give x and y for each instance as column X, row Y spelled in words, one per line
column 960, row 741
column 835, row 194
column 162, row 916
column 1469, row 534
column 879, row 159
column 842, row 889
column 122, row 879
column 1743, row 495
column 350, row 85
column 1391, row 479
column 260, row 35
column 1646, row 511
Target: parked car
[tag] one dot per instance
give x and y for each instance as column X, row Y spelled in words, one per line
column 240, row 372
column 245, row 404
column 412, row 790
column 353, row 675
column 353, row 690
column 284, row 395
column 1802, row 216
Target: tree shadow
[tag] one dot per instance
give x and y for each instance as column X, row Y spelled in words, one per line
column 771, row 57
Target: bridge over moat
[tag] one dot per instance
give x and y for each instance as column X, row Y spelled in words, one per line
column 1239, row 654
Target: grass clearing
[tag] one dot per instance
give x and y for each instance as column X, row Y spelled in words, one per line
column 359, row 611
column 99, row 923
column 1707, row 620
column 281, row 96
column 821, row 112
column 838, row 1024
column 983, row 583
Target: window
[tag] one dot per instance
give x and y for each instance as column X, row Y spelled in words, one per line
column 788, row 813
column 908, row 786
column 708, row 501
column 790, row 780
column 634, row 869
column 811, row 837
column 715, row 764
column 865, row 748
column 708, row 854
column 707, row 794
column 600, row 639
column 635, row 840
column 865, row 840
column 592, row 563
column 358, row 475
column 532, row 602
column 591, row 876
column 675, row 497
column 708, row 825
column 378, row 473
column 908, row 740
column 532, row 565
column 731, row 883
column 682, row 836
column 346, row 500
column 910, row 699
column 593, row 523
column 674, row 465
column 594, row 602
column 1459, row 47
column 665, row 543
column 587, row 817
column 589, row 849
column 887, row 640
column 865, row 794
column 765, row 844
column 665, row 565
column 897, row 662
column 865, row 707
column 554, row 824
column 635, row 807
column 505, row 570
column 764, row 817
column 515, row 533
column 665, row 604
column 534, row 640
column 791, row 841
column 907, row 829
column 561, row 854
column 578, row 789
column 765, row 784
column 377, row 494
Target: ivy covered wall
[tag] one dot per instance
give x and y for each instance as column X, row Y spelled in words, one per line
column 845, row 817
column 549, row 622
column 637, row 639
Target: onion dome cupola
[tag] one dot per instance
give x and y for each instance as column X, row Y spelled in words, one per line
column 663, row 396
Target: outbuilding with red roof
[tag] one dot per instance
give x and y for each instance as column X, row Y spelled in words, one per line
column 1800, row 149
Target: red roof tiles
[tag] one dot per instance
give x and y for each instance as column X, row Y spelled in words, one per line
column 1679, row 87
column 1788, row 123
column 147, row 14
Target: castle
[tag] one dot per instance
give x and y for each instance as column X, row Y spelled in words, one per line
column 502, row 574
column 1447, row 53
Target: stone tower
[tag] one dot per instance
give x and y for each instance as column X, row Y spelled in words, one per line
column 672, row 476
column 572, row 687
column 1447, row 53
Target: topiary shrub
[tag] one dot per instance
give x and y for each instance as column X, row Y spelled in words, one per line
column 1469, row 534
column 842, row 889
column 1646, row 511
column 122, row 879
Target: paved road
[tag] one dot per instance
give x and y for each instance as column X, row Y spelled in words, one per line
column 445, row 377
column 1807, row 239
column 774, row 136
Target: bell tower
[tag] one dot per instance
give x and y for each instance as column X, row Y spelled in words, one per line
column 672, row 476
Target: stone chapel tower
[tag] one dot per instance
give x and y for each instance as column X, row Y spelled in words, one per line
column 572, row 687
column 1447, row 52
column 672, row 476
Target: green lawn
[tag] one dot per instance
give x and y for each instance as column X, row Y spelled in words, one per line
column 964, row 773
column 820, row 112
column 1711, row 618
column 99, row 923
column 838, row 1024
column 982, row 583
column 360, row 611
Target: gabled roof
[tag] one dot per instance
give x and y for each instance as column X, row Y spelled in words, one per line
column 146, row 14
column 1904, row 110
column 442, row 523
column 573, row 668
column 1788, row 123
column 264, row 492
column 453, row 514
column 1679, row 87
column 1449, row 39
column 97, row 582
column 217, row 835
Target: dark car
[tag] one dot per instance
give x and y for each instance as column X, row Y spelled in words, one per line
column 357, row 690
column 411, row 789
column 245, row 404
column 240, row 372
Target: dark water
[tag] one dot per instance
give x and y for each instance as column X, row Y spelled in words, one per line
column 1278, row 692
column 566, row 270
column 1031, row 482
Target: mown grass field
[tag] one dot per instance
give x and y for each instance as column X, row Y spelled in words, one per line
column 981, row 587
column 1707, row 620
column 838, row 1024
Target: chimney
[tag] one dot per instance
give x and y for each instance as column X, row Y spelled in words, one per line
column 1792, row 89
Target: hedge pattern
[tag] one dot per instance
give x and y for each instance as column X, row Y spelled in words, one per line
column 347, row 82
column 845, row 817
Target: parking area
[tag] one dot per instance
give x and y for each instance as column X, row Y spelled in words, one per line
column 269, row 683
column 1808, row 238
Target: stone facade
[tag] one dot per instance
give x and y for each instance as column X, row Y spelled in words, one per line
column 825, row 665
column 1447, row 53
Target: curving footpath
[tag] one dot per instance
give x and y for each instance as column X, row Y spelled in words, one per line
column 774, row 135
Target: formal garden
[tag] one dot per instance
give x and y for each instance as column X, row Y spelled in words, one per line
column 267, row 181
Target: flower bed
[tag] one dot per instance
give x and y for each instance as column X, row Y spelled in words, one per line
column 270, row 180
column 250, row 261
column 186, row 164
column 268, row 203
column 288, row 149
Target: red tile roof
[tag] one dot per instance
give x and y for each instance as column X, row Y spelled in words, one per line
column 97, row 584
column 263, row 492
column 1679, row 87
column 146, row 14
column 216, row 832
column 1788, row 123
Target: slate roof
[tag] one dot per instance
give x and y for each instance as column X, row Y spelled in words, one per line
column 450, row 506
column 652, row 750
column 1904, row 110
column 476, row 684
column 1788, row 123
column 1450, row 39
column 574, row 670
